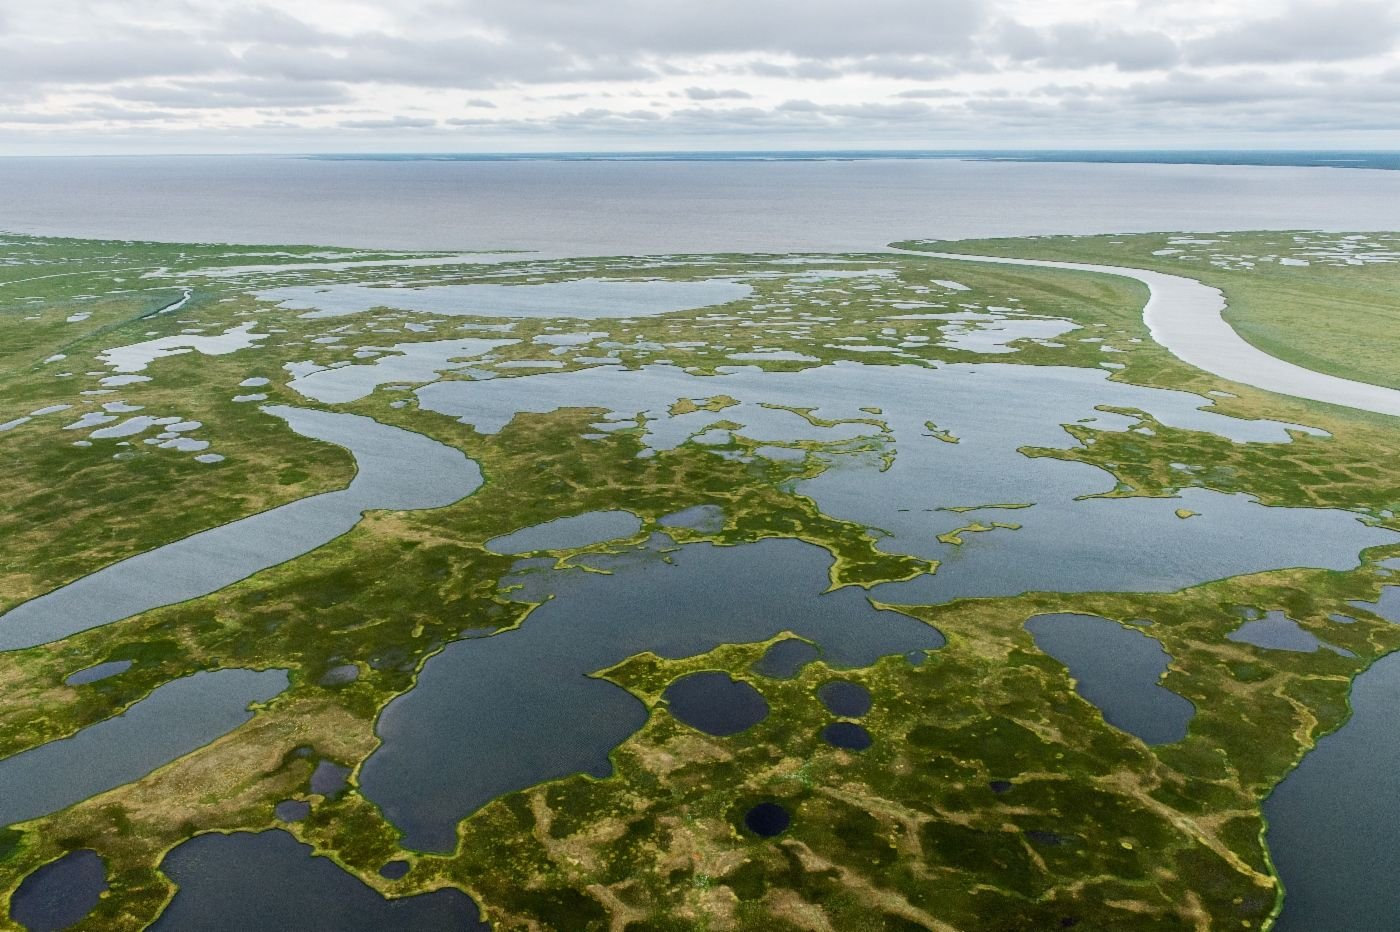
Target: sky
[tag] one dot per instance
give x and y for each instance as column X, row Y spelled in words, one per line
column 211, row 76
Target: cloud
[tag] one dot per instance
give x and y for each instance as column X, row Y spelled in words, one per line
column 398, row 122
column 654, row 73
column 709, row 93
column 1086, row 45
column 235, row 93
column 1304, row 32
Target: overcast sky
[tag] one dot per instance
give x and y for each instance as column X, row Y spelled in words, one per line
column 520, row 75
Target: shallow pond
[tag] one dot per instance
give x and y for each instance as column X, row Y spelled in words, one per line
column 1332, row 822
column 785, row 658
column 1117, row 669
column 844, row 698
column 395, row 469
column 847, row 735
column 496, row 714
column 584, row 298
column 172, row 721
column 1276, row 631
column 767, row 820
column 407, row 362
column 715, row 703
column 243, row 881
column 593, row 527
column 60, row 893
column 97, row 672
column 1065, row 541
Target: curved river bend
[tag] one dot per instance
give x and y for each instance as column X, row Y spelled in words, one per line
column 395, row 470
column 1184, row 316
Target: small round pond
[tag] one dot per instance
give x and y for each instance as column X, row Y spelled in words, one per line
column 844, row 698
column 767, row 819
column 714, row 703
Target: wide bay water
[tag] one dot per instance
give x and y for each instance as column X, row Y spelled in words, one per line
column 650, row 207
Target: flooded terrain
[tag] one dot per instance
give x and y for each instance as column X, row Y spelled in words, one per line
column 881, row 588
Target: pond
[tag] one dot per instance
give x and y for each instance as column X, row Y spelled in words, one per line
column 715, row 703
column 172, row 721
column 584, row 298
column 767, row 820
column 785, row 658
column 1119, row 670
column 494, row 714
column 844, row 698
column 269, row 880
column 593, row 527
column 60, row 893
column 98, row 672
column 1276, row 631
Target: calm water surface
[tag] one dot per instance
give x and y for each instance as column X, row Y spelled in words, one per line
column 647, row 208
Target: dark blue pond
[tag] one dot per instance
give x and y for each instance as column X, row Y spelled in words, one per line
column 715, row 704
column 767, row 819
column 844, row 698
column 495, row 714
column 60, row 893
column 270, row 881
column 785, row 658
column 1118, row 669
column 847, row 735
column 329, row 779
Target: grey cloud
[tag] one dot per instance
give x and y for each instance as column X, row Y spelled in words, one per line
column 120, row 58
column 235, row 93
column 1086, row 45
column 710, row 93
column 1304, row 31
column 816, row 28
column 398, row 122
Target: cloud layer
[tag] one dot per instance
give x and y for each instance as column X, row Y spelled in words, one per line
column 464, row 75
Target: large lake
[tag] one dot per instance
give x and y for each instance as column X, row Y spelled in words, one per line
column 651, row 207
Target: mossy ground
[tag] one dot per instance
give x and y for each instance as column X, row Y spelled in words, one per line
column 1097, row 828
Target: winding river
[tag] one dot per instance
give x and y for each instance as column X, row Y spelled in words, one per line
column 1184, row 316
column 396, row 470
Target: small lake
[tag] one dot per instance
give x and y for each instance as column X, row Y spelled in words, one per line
column 402, row 362
column 593, row 527
column 501, row 713
column 844, row 698
column 847, row 735
column 98, row 672
column 395, row 469
column 60, row 893
column 1333, row 822
column 172, row 721
column 1119, row 670
column 271, row 881
column 1276, row 631
column 583, row 298
column 767, row 820
column 785, row 659
column 714, row 703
